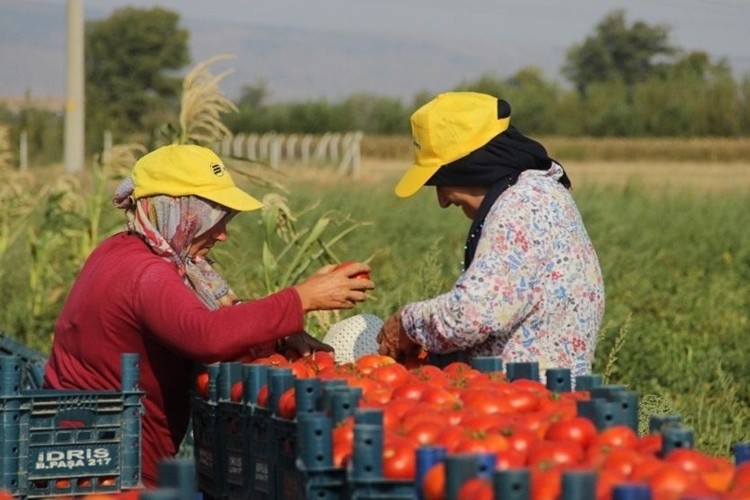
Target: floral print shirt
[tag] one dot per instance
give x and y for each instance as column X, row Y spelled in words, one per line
column 534, row 291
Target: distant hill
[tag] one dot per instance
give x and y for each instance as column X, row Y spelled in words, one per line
column 296, row 64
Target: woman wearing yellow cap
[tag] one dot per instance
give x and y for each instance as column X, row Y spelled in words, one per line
column 152, row 290
column 532, row 287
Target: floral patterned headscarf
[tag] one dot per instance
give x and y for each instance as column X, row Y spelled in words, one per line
column 169, row 225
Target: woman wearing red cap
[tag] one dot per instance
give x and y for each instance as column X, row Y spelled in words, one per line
column 152, row 290
column 532, row 288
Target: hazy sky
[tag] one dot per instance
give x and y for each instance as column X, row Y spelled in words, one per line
column 721, row 27
column 330, row 48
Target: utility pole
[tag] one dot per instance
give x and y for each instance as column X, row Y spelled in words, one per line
column 74, row 99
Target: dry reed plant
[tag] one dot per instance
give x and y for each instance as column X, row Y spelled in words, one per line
column 203, row 103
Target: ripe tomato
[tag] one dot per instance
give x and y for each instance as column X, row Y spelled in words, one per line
column 622, row 461
column 482, row 442
column 670, row 482
column 393, row 374
column 201, row 384
column 274, row 359
column 235, row 393
column 320, row 360
column 399, row 458
column 262, row 397
column 342, row 438
column 617, row 436
column 288, row 404
column 580, row 430
column 476, row 488
column 367, row 363
column 551, row 453
column 650, row 444
column 363, row 275
column 439, row 397
column 546, row 484
column 301, row 368
column 427, row 432
column 433, row 482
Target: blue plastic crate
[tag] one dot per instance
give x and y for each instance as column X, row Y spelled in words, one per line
column 32, row 375
column 66, row 443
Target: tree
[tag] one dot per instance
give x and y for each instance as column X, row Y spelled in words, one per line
column 128, row 59
column 617, row 52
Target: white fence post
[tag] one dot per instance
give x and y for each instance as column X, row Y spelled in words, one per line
column 252, row 142
column 23, row 151
column 305, row 146
column 291, row 142
column 352, row 155
column 237, row 145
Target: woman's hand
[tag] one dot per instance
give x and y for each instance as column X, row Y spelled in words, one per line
column 304, row 344
column 331, row 288
column 394, row 342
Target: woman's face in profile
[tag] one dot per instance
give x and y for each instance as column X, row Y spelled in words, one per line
column 468, row 198
column 203, row 243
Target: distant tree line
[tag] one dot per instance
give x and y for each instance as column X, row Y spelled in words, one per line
column 625, row 80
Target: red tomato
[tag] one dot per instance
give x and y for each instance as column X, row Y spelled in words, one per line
column 427, row 432
column 650, row 444
column 742, row 474
column 580, row 430
column 235, row 393
column 288, row 404
column 429, row 373
column 262, row 397
column 622, row 461
column 411, row 390
column 369, row 362
column 439, row 397
column 343, row 442
column 617, row 436
column 433, row 482
column 476, row 488
column 481, row 442
column 320, row 360
column 510, row 459
column 670, row 482
column 551, row 453
column 393, row 374
column 399, row 458
column 201, row 384
column 546, row 483
column 363, row 275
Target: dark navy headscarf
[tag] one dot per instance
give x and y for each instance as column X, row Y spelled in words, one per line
column 496, row 166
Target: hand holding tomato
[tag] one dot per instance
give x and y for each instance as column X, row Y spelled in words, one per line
column 335, row 287
column 394, row 342
column 361, row 274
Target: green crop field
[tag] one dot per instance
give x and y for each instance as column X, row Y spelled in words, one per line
column 672, row 239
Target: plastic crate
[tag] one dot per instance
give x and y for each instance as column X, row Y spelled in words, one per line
column 32, row 374
column 69, row 442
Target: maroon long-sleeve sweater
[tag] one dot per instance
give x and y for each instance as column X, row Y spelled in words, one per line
column 126, row 299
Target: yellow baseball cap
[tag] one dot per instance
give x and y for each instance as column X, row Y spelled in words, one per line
column 447, row 128
column 188, row 169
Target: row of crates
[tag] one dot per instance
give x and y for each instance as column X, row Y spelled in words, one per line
column 68, row 442
column 246, row 451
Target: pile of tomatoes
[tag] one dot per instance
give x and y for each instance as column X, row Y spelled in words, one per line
column 521, row 422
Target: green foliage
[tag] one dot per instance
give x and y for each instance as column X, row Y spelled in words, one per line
column 129, row 58
column 617, row 52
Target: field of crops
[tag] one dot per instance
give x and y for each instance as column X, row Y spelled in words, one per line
column 671, row 238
